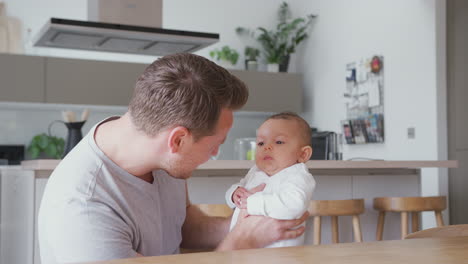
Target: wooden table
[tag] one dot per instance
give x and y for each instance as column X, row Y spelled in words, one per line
column 427, row 251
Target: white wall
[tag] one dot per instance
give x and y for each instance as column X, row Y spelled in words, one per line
column 404, row 32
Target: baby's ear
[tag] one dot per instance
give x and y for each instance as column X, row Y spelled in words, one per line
column 306, row 153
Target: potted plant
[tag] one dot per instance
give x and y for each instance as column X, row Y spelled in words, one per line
column 43, row 145
column 251, row 55
column 225, row 56
column 280, row 42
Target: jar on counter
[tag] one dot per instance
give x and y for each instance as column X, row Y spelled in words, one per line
column 244, row 148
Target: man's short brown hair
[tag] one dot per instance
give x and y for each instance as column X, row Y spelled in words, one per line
column 306, row 131
column 184, row 90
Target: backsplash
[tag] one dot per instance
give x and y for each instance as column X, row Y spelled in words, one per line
column 19, row 122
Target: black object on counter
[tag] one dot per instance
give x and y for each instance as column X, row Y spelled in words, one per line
column 14, row 154
column 74, row 135
column 323, row 145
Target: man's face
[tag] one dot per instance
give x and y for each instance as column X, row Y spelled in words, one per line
column 200, row 151
column 278, row 145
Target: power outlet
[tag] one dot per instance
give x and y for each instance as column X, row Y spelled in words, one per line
column 411, row 133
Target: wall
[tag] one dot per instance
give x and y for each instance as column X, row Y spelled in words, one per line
column 404, row 32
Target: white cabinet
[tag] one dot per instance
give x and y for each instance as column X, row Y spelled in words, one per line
column 17, row 215
column 20, row 196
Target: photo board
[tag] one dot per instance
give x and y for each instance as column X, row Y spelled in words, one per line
column 364, row 99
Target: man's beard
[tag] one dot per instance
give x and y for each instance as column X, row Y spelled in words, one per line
column 175, row 170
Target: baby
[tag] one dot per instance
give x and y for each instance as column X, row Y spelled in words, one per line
column 283, row 145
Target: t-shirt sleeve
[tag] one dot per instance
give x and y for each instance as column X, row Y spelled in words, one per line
column 89, row 231
column 290, row 203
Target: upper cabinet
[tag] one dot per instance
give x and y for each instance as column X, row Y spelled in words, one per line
column 272, row 92
column 72, row 81
column 75, row 81
column 22, row 78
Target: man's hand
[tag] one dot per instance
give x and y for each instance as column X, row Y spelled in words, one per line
column 240, row 195
column 252, row 231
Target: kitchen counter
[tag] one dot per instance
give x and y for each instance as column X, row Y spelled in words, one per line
column 218, row 168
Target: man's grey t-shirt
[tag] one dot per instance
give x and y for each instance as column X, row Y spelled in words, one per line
column 94, row 210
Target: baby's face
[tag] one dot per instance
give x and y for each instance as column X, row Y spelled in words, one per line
column 278, row 145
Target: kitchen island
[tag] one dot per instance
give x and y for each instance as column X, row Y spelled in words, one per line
column 23, row 186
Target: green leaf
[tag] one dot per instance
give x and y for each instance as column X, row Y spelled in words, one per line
column 226, row 54
column 43, row 141
column 283, row 38
column 51, row 150
column 34, row 152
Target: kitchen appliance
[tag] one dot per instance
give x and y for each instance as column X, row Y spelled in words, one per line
column 326, row 145
column 125, row 26
column 11, row 154
column 244, row 148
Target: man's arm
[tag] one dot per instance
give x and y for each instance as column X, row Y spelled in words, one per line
column 252, row 231
column 202, row 231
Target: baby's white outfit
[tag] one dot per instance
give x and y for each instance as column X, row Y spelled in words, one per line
column 287, row 195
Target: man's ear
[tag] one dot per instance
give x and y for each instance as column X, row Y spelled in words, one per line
column 179, row 137
column 306, row 153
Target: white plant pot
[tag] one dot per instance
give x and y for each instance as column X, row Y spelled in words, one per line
column 225, row 64
column 272, row 67
column 252, row 65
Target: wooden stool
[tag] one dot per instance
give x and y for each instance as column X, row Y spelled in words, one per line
column 220, row 210
column 335, row 208
column 404, row 205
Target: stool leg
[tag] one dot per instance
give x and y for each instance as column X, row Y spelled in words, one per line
column 414, row 222
column 334, row 222
column 404, row 224
column 380, row 225
column 439, row 219
column 317, row 230
column 357, row 229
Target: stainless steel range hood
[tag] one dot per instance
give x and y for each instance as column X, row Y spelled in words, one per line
column 100, row 36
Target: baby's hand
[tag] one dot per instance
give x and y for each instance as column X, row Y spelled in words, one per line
column 239, row 197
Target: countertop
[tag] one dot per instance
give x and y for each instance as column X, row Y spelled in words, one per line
column 240, row 167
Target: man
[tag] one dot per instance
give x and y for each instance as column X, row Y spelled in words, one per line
column 121, row 192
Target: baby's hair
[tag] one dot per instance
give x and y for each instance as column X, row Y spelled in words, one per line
column 306, row 130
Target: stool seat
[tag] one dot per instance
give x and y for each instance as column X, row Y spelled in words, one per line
column 410, row 204
column 405, row 205
column 335, row 208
